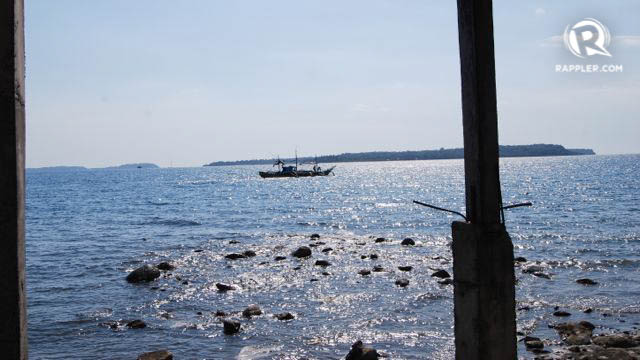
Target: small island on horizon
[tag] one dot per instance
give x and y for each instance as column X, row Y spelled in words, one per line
column 79, row 168
column 534, row 150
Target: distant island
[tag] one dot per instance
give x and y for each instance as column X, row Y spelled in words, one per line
column 134, row 166
column 79, row 168
column 456, row 153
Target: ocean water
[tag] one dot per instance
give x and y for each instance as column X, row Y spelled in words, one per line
column 86, row 230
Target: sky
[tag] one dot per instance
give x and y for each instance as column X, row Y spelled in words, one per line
column 188, row 83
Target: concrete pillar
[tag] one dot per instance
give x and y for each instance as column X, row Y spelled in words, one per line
column 484, row 293
column 13, row 325
column 484, row 281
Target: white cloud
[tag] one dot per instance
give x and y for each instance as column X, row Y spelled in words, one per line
column 627, row 40
column 540, row 11
column 552, row 41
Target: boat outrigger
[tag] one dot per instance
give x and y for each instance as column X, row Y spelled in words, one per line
column 293, row 171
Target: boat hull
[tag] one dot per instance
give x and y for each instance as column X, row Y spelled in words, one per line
column 296, row 173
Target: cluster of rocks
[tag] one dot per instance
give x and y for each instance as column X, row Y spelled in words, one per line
column 578, row 342
column 232, row 324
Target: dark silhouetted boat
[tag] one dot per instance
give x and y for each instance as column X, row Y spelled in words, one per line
column 293, row 171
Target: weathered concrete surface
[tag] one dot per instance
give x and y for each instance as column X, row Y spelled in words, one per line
column 13, row 327
column 479, row 111
column 484, row 293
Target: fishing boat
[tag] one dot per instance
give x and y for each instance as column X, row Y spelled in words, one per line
column 293, row 171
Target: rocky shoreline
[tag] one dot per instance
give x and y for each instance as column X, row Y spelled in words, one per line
column 574, row 340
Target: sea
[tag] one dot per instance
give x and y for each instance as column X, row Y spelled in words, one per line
column 87, row 229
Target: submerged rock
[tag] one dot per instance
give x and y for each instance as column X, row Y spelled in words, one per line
column 532, row 269
column 531, row 342
column 378, row 268
column 156, row 355
column 561, row 313
column 364, row 272
column 519, row 259
column 447, row 281
column 302, row 252
column 359, row 352
column 144, row 273
column 249, row 253
column 326, row 250
column 136, row 324
column 575, row 333
column 279, row 258
column 405, row 268
column 231, row 327
column 220, row 313
column 234, row 256
column 586, row 282
column 408, row 241
column 323, row 263
column 442, row 274
column 402, row 282
column 284, row 316
column 541, row 275
column 315, row 236
column 380, row 240
column 224, row 287
column 373, row 256
column 165, row 266
column 615, row 341
column 252, row 310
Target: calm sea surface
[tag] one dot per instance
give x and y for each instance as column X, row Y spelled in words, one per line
column 87, row 229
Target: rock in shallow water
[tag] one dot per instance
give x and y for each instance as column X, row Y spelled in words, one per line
column 615, row 341
column 407, row 242
column 405, row 268
column 249, row 253
column 402, row 282
column 284, row 316
column 224, row 287
column 165, row 266
column 144, row 273
column 231, row 327
column 586, row 282
column 531, row 342
column 364, row 272
column 302, row 252
column 156, row 355
column 561, row 313
column 575, row 333
column 359, row 352
column 136, row 324
column 442, row 274
column 541, row 275
column 323, row 263
column 234, row 256
column 252, row 310
column 380, row 240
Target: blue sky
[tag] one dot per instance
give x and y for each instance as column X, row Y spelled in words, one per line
column 186, row 83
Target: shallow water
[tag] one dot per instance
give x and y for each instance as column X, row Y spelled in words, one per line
column 87, row 229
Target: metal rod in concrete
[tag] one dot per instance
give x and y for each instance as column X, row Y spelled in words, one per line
column 13, row 326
